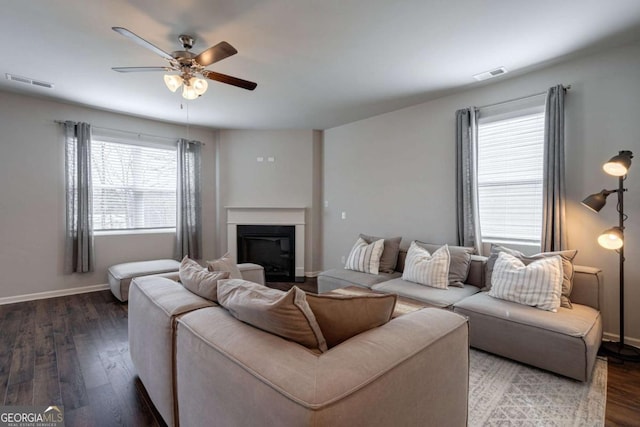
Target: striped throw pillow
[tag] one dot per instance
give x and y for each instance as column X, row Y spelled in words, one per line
column 538, row 284
column 426, row 269
column 365, row 257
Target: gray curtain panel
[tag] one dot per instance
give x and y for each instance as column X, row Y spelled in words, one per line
column 189, row 205
column 79, row 250
column 554, row 233
column 468, row 223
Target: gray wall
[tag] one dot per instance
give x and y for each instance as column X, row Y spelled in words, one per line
column 394, row 174
column 292, row 180
column 32, row 211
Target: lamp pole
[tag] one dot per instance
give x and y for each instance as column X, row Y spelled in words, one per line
column 621, row 252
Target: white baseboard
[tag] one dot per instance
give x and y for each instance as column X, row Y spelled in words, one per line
column 614, row 337
column 53, row 294
column 311, row 273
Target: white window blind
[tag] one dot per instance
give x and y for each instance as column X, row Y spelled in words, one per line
column 134, row 186
column 510, row 168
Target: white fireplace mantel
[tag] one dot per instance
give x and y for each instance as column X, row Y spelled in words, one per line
column 254, row 215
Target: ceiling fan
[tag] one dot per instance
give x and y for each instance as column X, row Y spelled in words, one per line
column 188, row 65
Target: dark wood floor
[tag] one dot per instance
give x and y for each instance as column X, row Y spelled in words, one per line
column 73, row 351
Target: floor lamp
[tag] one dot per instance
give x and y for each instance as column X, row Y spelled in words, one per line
column 613, row 238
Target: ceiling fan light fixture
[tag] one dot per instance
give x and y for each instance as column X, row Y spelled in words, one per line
column 172, row 81
column 199, row 85
column 189, row 92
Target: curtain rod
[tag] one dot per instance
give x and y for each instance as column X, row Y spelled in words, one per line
column 519, row 98
column 138, row 134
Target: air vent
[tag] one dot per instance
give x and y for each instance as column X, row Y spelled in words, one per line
column 490, row 74
column 27, row 80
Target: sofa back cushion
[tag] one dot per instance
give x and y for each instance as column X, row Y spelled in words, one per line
column 286, row 314
column 344, row 316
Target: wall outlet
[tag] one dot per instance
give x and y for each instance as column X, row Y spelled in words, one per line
column 326, row 203
column 271, row 159
column 343, row 215
column 260, row 159
column 343, row 260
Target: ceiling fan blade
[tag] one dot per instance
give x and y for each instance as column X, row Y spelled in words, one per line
column 139, row 69
column 142, row 42
column 234, row 81
column 215, row 53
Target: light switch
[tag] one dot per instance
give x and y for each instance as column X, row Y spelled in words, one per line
column 260, row 159
column 271, row 159
column 344, row 215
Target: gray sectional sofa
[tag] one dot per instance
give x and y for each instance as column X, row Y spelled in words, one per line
column 203, row 367
column 565, row 342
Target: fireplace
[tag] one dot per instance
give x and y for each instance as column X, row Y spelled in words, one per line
column 239, row 216
column 271, row 246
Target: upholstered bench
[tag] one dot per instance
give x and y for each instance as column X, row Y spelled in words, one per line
column 120, row 275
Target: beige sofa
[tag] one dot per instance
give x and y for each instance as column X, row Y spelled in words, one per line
column 203, row 367
column 565, row 342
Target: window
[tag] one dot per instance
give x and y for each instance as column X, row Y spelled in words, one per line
column 134, row 186
column 510, row 170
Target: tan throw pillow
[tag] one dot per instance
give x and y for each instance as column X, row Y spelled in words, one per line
column 566, row 256
column 389, row 257
column 538, row 284
column 458, row 265
column 198, row 280
column 365, row 257
column 286, row 314
column 426, row 269
column 225, row 263
column 344, row 316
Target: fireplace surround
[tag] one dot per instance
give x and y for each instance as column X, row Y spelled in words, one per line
column 272, row 216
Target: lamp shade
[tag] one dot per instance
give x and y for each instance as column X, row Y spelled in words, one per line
column 596, row 201
column 612, row 238
column 199, row 85
column 188, row 92
column 172, row 81
column 619, row 164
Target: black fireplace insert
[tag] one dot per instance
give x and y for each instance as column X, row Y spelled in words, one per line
column 271, row 246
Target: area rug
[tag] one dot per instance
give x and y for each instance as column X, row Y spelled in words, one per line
column 506, row 393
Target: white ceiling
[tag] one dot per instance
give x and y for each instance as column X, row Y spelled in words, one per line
column 318, row 63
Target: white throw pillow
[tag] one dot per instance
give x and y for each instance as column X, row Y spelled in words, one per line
column 426, row 269
column 538, row 284
column 365, row 257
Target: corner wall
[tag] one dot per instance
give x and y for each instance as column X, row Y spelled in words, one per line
column 292, row 179
column 32, row 207
column 394, row 174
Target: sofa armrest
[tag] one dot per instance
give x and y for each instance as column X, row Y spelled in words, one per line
column 588, row 286
column 252, row 272
column 414, row 368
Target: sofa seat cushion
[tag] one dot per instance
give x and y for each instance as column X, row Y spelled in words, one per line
column 341, row 278
column 442, row 298
column 576, row 322
column 565, row 342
